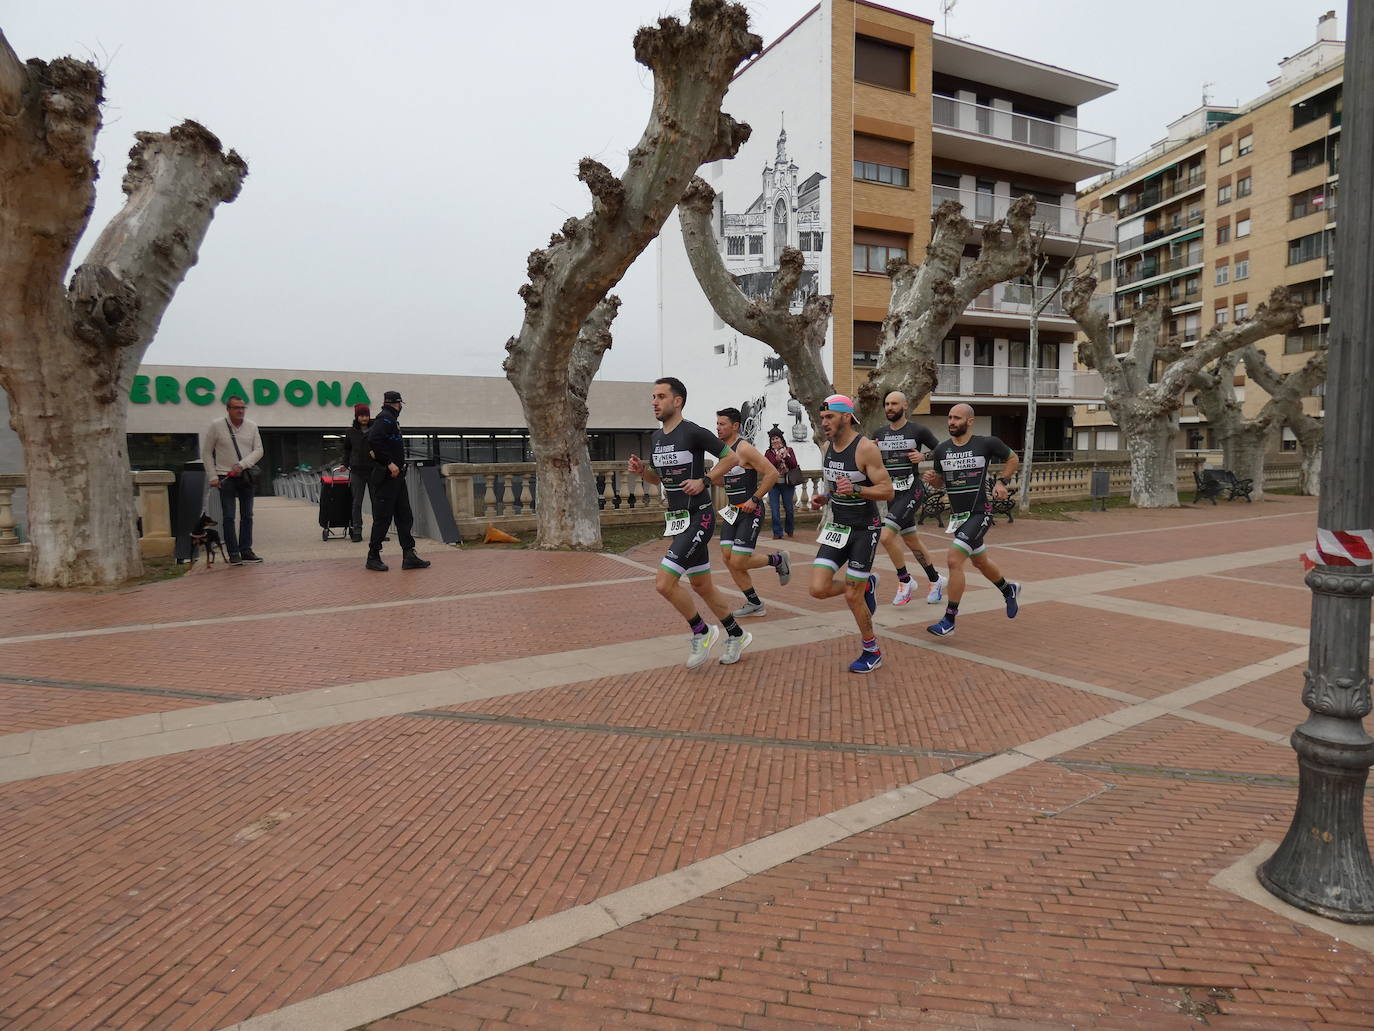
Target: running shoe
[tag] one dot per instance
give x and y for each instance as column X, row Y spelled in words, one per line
column 871, row 593
column 702, row 645
column 1013, row 592
column 903, row 594
column 867, row 662
column 784, row 568
column 734, row 646
column 943, row 628
column 750, row 609
column 937, row 591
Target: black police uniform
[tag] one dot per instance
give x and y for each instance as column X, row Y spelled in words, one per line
column 390, row 499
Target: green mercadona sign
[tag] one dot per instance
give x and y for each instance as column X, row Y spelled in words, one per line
column 199, row 390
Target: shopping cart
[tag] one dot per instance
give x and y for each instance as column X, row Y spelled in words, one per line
column 336, row 503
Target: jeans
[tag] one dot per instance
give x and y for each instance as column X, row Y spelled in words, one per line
column 233, row 489
column 787, row 496
column 390, row 500
column 359, row 486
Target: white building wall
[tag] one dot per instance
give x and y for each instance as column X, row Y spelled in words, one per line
column 788, row 88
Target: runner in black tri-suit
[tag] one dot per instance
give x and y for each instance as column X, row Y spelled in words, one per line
column 904, row 444
column 857, row 481
column 678, row 463
column 750, row 478
column 963, row 467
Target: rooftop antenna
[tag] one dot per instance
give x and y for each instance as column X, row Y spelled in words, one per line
column 1206, row 98
column 946, row 6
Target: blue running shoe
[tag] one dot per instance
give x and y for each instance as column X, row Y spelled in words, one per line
column 867, row 662
column 871, row 598
column 943, row 628
column 1013, row 592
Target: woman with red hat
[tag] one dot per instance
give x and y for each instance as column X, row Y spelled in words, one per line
column 359, row 462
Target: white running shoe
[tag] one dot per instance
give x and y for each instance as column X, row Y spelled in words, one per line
column 702, row 645
column 734, row 646
column 750, row 609
column 903, row 594
column 937, row 591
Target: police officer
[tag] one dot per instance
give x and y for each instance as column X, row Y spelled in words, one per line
column 390, row 499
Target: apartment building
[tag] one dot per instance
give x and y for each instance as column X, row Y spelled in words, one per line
column 1233, row 202
column 864, row 121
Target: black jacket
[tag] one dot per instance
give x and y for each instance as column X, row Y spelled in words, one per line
column 355, row 454
column 384, row 438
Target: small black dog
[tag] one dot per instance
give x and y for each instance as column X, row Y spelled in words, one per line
column 206, row 536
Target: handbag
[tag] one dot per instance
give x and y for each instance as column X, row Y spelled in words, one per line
column 248, row 473
column 793, row 477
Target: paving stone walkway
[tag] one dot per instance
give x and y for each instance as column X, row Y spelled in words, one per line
column 304, row 797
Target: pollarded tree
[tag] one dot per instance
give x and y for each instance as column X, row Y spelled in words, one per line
column 68, row 354
column 1286, row 393
column 692, row 66
column 1144, row 406
column 926, row 300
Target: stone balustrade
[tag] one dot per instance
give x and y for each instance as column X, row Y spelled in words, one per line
column 152, row 505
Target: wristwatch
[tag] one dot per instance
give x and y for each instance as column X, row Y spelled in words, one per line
column 1004, row 481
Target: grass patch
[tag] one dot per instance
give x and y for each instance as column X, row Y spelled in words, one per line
column 1063, row 511
column 155, row 570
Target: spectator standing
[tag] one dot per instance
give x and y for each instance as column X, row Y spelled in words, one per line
column 390, row 499
column 359, row 463
column 231, row 449
column 783, row 458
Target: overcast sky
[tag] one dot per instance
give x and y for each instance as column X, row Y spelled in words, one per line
column 406, row 155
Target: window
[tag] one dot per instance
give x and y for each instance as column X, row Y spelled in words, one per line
column 1242, row 228
column 756, row 245
column 1223, row 234
column 1305, row 248
column 882, row 64
column 1221, row 316
column 1318, row 198
column 1245, row 144
column 1104, row 271
column 1223, row 274
column 1224, row 194
column 1308, row 338
column 1226, row 153
column 871, row 172
column 1242, row 312
column 734, row 245
column 1243, row 186
column 1242, row 270
column 812, row 241
column 880, row 160
column 874, row 248
column 1325, row 103
column 1310, row 156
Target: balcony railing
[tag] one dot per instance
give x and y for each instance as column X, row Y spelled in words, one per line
column 1010, row 127
column 1160, row 191
column 1004, row 381
column 1018, row 299
column 1158, row 267
column 1054, row 219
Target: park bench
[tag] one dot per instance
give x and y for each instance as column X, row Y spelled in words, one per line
column 934, row 504
column 1212, row 483
column 1004, row 506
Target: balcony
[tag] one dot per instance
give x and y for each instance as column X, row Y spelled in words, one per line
column 1153, row 267
column 1009, row 304
column 1176, row 225
column 1070, row 386
column 982, row 135
column 1160, row 190
column 1061, row 225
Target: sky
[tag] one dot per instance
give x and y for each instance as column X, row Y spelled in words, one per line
column 404, row 157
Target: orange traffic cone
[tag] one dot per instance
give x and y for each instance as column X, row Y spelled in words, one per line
column 495, row 536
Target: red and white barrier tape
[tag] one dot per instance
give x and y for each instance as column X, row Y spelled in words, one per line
column 1341, row 548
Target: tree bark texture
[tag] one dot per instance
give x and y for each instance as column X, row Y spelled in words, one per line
column 799, row 340
column 1145, row 408
column 928, row 298
column 692, row 66
column 69, row 354
column 1286, row 393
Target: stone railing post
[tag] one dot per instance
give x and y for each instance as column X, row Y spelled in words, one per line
column 155, row 510
column 9, row 538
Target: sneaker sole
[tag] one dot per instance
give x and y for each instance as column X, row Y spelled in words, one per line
column 935, row 633
column 784, row 572
column 711, row 640
column 748, row 640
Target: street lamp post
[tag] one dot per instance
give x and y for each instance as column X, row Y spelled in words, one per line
column 1324, row 864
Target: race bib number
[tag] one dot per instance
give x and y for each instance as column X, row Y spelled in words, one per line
column 675, row 523
column 956, row 521
column 903, row 482
column 833, row 535
column 729, row 513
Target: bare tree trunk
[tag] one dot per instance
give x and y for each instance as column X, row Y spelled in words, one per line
column 799, row 340
column 1246, row 456
column 68, row 355
column 1145, row 411
column 692, row 66
column 1310, row 467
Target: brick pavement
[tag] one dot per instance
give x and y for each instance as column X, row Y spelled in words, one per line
column 989, row 832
